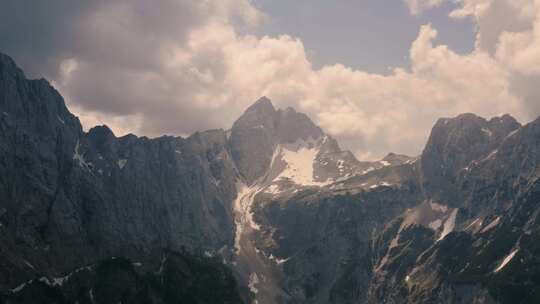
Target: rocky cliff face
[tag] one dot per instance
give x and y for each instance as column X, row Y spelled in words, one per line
column 70, row 198
column 90, row 217
column 454, row 144
column 477, row 247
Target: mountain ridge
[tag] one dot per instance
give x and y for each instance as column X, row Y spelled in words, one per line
column 275, row 200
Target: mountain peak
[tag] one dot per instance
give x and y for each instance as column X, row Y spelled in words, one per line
column 461, row 120
column 102, row 134
column 262, row 105
column 505, row 122
column 455, row 142
column 9, row 67
column 470, row 120
column 260, row 129
column 6, row 60
column 293, row 125
column 468, row 124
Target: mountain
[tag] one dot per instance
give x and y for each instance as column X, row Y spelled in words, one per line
column 71, row 199
column 270, row 211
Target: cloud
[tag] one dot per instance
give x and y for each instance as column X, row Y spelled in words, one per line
column 520, row 50
column 175, row 67
column 128, row 58
column 416, row 7
column 494, row 17
column 397, row 111
column 509, row 31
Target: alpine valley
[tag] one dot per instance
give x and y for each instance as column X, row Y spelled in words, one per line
column 271, row 211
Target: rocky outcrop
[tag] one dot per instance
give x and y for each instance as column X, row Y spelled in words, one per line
column 453, row 144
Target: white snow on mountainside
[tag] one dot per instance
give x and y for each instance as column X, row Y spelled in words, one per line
column 296, row 161
column 507, row 259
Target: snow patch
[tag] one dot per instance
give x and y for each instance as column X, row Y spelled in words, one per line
column 384, row 163
column 29, row 265
column 449, row 224
column 412, row 160
column 79, row 157
column 473, row 223
column 299, row 158
column 273, row 189
column 19, row 288
column 380, row 184
column 395, row 240
column 438, row 207
column 491, row 155
column 507, row 259
column 215, row 181
column 435, row 224
column 253, row 281
column 491, row 225
column 512, row 133
column 244, row 215
column 281, row 261
column 162, row 264
column 487, row 132
column 59, row 281
column 122, row 163
column 368, row 170
column 277, row 260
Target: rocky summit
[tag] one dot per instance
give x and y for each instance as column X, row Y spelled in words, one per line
column 272, row 211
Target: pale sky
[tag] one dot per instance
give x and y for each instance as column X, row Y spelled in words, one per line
column 370, row 35
column 374, row 74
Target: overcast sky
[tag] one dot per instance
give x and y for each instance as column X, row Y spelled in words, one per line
column 374, row 74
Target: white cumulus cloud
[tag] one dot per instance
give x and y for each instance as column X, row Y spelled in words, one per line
column 153, row 73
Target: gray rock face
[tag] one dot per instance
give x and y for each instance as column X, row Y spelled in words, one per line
column 70, row 198
column 323, row 240
column 253, row 139
column 490, row 243
column 296, row 218
column 454, row 144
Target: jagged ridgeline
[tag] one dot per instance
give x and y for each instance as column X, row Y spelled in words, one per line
column 270, row 211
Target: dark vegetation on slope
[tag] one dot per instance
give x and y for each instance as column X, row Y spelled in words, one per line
column 182, row 278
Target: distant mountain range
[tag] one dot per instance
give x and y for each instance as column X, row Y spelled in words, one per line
column 270, row 211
